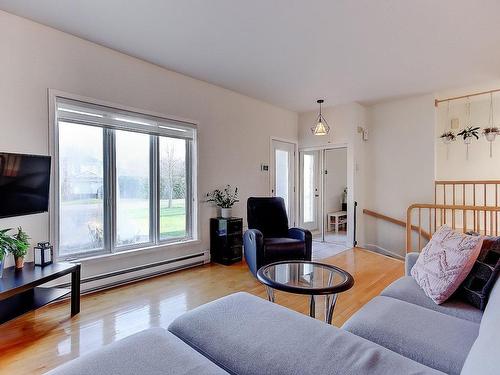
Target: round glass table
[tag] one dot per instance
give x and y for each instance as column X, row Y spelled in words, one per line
column 310, row 278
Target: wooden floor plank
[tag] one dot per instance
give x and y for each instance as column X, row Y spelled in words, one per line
column 43, row 339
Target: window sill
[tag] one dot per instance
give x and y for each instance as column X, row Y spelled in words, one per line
column 147, row 249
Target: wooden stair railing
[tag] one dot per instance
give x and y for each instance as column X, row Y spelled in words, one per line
column 481, row 219
column 392, row 220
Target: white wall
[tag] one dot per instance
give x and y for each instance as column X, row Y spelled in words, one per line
column 451, row 161
column 234, row 131
column 336, row 178
column 344, row 121
column 400, row 168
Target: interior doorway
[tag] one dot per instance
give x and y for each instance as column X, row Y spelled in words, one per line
column 323, row 207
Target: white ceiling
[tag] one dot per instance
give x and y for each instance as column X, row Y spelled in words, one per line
column 291, row 52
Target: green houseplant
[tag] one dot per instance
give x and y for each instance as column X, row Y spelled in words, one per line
column 467, row 134
column 20, row 247
column 6, row 243
column 447, row 137
column 225, row 199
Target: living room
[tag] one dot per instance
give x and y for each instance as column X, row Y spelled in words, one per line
column 143, row 110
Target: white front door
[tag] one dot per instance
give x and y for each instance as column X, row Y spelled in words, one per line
column 283, row 175
column 309, row 190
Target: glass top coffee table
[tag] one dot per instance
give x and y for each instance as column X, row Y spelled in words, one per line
column 310, row 278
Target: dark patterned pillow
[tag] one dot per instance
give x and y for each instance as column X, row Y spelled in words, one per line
column 477, row 285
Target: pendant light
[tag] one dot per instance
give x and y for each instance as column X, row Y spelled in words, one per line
column 321, row 127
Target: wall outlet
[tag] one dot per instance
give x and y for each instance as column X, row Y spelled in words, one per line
column 455, row 123
column 264, row 167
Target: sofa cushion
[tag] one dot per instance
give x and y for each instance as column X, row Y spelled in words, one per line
column 477, row 285
column 276, row 248
column 483, row 357
column 247, row 335
column 436, row 340
column 151, row 352
column 445, row 262
column 407, row 289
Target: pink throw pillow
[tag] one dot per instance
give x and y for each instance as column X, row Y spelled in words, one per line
column 445, row 262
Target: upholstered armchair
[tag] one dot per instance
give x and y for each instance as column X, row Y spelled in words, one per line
column 269, row 239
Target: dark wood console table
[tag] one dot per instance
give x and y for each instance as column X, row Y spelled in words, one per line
column 20, row 290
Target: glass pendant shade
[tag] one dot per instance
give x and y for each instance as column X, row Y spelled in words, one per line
column 321, row 127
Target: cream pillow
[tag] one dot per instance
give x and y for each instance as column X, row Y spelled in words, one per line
column 445, row 262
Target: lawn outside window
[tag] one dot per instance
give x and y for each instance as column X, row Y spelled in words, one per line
column 123, row 180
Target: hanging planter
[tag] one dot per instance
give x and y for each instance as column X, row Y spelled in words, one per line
column 447, row 137
column 491, row 132
column 468, row 134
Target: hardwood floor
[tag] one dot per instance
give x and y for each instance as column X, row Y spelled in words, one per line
column 43, row 339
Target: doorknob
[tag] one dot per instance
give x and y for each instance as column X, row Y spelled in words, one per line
column 316, row 195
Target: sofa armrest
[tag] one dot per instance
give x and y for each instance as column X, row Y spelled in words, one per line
column 303, row 235
column 410, row 260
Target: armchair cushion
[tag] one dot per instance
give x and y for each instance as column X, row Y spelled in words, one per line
column 276, row 249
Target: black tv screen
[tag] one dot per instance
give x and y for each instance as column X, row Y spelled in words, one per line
column 24, row 184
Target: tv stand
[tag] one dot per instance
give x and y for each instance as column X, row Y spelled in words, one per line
column 22, row 291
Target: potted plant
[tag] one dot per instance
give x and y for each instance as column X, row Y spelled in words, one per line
column 468, row 133
column 6, row 243
column 490, row 133
column 20, row 247
column 447, row 137
column 225, row 199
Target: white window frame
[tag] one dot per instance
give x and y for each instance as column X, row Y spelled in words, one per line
column 109, row 248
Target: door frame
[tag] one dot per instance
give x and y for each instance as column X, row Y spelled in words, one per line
column 295, row 219
column 351, row 166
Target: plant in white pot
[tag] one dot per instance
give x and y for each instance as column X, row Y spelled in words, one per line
column 468, row 134
column 225, row 199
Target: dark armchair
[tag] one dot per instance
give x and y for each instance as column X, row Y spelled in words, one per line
column 269, row 239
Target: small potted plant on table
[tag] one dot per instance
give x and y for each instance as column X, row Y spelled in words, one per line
column 225, row 199
column 20, row 247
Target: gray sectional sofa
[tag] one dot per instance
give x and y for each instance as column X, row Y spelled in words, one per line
column 399, row 332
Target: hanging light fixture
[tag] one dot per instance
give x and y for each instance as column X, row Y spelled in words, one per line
column 321, row 127
column 491, row 131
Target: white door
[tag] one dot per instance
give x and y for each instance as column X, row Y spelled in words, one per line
column 309, row 190
column 283, row 175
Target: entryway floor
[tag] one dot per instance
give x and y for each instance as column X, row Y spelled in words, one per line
column 334, row 243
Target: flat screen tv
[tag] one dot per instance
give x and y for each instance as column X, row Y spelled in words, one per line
column 24, row 184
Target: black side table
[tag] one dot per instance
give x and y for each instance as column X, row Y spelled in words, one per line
column 226, row 240
column 21, row 290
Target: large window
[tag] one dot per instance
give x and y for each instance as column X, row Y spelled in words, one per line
column 125, row 180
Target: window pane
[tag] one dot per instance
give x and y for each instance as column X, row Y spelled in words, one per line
column 281, row 167
column 308, row 197
column 132, row 188
column 173, row 188
column 80, row 188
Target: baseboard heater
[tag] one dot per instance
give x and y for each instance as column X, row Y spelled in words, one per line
column 144, row 267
